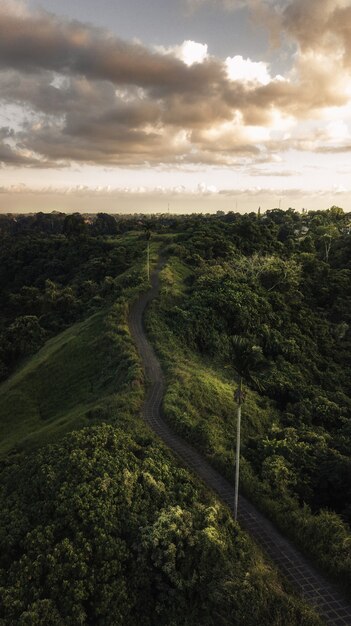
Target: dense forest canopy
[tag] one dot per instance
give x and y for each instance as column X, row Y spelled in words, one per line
column 280, row 282
column 106, row 510
column 49, row 281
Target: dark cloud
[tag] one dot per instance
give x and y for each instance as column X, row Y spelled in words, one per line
column 76, row 94
column 12, row 156
column 315, row 24
column 97, row 99
column 46, row 42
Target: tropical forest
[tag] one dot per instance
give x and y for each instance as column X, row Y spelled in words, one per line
column 129, row 345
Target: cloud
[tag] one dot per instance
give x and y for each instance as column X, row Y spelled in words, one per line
column 247, row 71
column 13, row 155
column 317, row 24
column 189, row 52
column 88, row 96
column 338, row 130
column 44, row 42
column 15, row 7
column 200, row 197
column 256, row 171
column 201, row 189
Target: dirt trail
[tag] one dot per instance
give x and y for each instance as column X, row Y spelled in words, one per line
column 316, row 590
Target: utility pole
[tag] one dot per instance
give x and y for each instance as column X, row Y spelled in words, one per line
column 239, row 397
column 148, row 260
column 148, row 237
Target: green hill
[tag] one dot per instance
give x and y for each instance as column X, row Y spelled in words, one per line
column 100, row 524
column 66, row 385
column 288, row 462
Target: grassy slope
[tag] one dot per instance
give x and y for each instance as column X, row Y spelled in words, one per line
column 199, row 404
column 88, row 373
column 68, row 385
column 53, row 391
column 199, row 399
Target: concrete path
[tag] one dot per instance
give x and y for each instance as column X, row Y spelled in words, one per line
column 317, row 591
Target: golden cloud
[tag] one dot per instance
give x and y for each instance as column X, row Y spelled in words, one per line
column 95, row 98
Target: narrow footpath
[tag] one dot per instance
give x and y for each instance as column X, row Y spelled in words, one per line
column 317, row 591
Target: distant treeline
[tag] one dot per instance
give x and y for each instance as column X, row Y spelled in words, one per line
column 78, row 224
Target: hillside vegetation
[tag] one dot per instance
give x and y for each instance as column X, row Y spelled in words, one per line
column 53, row 391
column 78, row 378
column 79, row 372
column 282, row 284
column 103, row 528
column 99, row 524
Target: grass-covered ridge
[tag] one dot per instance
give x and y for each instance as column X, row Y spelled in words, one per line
column 47, row 283
column 82, row 375
column 103, row 526
column 54, row 389
column 197, row 387
column 100, row 524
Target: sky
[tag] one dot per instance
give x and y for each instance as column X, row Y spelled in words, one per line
column 174, row 105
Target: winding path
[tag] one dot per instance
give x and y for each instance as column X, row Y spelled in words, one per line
column 316, row 590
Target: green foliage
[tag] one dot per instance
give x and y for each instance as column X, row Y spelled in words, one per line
column 74, row 225
column 104, row 529
column 24, row 336
column 104, row 224
column 49, row 282
column 294, row 308
column 199, row 399
column 87, row 373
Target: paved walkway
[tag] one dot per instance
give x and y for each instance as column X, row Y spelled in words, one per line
column 321, row 594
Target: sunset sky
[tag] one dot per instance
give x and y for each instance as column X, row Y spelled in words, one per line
column 195, row 105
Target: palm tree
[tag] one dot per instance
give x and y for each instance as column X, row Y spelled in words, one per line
column 248, row 361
